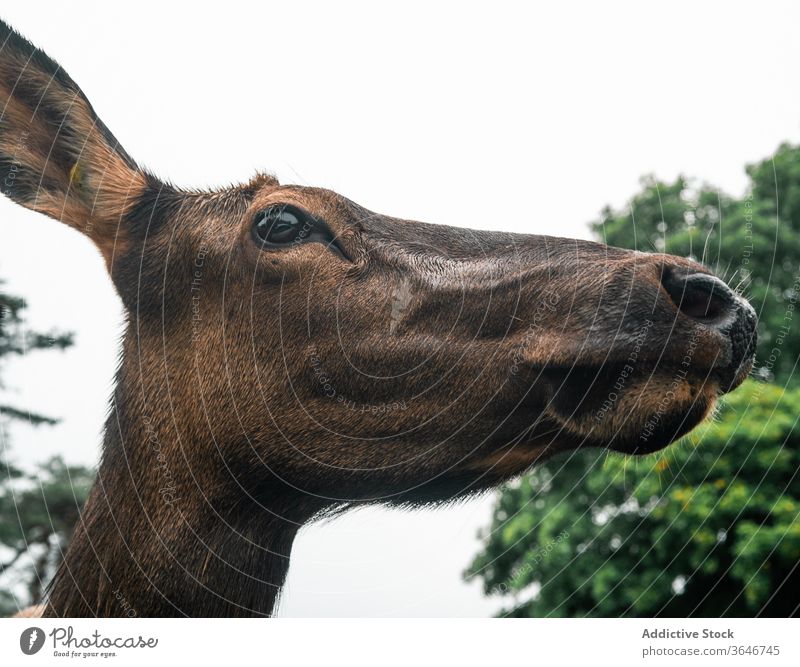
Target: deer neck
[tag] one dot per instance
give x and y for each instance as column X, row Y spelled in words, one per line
column 158, row 539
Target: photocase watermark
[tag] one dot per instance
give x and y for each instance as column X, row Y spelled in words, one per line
column 625, row 373
column 783, row 331
column 10, row 180
column 747, row 248
column 168, row 488
column 546, row 305
column 669, row 396
column 126, row 606
column 329, row 390
column 66, row 644
column 31, row 640
column 303, row 233
column 195, row 288
column 519, row 573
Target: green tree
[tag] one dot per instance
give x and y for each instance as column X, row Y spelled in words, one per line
column 753, row 242
column 14, row 341
column 37, row 509
column 37, row 515
column 710, row 527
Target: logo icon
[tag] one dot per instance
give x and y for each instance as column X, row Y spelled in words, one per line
column 31, row 640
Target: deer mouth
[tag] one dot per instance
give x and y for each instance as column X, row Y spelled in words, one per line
column 634, row 410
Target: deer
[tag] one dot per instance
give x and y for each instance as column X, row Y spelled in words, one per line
column 289, row 355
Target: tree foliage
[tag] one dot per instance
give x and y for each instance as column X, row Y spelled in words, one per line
column 38, row 508
column 15, row 341
column 38, row 512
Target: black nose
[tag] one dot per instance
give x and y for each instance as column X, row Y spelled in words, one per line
column 710, row 301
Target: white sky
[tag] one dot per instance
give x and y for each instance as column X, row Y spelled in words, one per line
column 493, row 119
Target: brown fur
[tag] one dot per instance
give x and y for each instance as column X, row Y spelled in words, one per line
column 403, row 363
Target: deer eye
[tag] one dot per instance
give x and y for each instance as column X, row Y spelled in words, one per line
column 283, row 225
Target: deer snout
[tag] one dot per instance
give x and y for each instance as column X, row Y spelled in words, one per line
column 710, row 302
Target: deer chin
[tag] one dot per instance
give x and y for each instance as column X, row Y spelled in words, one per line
column 632, row 414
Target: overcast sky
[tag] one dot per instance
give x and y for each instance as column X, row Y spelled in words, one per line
column 484, row 118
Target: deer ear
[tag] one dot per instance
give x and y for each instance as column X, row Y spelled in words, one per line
column 56, row 156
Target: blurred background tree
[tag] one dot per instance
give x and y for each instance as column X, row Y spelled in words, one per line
column 710, row 526
column 38, row 508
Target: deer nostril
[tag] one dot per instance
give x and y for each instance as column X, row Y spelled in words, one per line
column 700, row 296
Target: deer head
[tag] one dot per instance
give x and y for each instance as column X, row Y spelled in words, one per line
column 289, row 352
